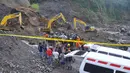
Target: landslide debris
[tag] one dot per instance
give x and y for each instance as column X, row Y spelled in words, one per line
column 15, row 3
column 18, row 57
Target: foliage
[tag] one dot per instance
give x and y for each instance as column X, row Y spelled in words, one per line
column 35, row 6
column 105, row 9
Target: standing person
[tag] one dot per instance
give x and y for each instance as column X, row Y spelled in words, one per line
column 56, row 55
column 68, row 61
column 46, row 35
column 59, row 49
column 49, row 56
column 78, row 43
column 44, row 49
column 67, row 48
column 62, row 59
column 40, row 48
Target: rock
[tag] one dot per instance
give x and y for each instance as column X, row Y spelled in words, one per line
column 15, row 3
column 112, row 40
column 123, row 30
column 49, row 69
column 128, row 33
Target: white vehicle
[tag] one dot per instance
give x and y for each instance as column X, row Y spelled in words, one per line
column 128, row 49
column 77, row 53
column 109, row 51
column 95, row 62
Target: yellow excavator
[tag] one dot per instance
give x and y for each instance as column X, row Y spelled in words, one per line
column 87, row 28
column 49, row 25
column 11, row 16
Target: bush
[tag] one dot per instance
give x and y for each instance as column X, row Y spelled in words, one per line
column 105, row 10
column 35, row 6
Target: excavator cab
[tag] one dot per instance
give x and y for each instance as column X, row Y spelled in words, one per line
column 49, row 25
column 89, row 29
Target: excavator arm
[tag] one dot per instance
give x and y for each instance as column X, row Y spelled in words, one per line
column 54, row 19
column 11, row 16
column 90, row 28
column 79, row 21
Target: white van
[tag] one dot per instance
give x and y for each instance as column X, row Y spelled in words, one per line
column 109, row 51
column 101, row 63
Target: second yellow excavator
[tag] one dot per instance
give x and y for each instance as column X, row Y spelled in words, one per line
column 86, row 28
column 11, row 16
column 49, row 25
column 79, row 21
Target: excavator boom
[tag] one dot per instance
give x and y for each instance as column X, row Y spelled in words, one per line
column 54, row 19
column 89, row 28
column 79, row 21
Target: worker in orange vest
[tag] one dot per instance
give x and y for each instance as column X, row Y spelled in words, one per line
column 46, row 35
column 78, row 43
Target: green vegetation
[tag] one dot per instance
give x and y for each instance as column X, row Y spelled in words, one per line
column 105, row 10
column 35, row 6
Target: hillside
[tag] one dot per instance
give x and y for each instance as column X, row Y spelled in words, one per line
column 15, row 3
column 91, row 11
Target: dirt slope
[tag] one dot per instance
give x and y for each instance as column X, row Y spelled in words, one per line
column 18, row 57
column 15, row 3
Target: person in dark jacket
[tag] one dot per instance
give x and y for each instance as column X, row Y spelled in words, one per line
column 44, row 46
column 59, row 50
column 40, row 48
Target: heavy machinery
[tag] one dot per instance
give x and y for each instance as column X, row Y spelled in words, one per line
column 49, row 25
column 86, row 29
column 79, row 21
column 11, row 16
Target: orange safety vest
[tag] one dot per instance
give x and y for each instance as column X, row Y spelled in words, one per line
column 78, row 38
column 46, row 35
column 77, row 43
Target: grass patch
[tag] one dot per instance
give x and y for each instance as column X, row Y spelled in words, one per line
column 35, row 6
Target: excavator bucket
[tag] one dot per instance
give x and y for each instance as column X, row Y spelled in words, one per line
column 45, row 30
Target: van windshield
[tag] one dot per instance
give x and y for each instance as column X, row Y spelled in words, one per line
column 96, row 69
column 80, row 53
column 120, row 72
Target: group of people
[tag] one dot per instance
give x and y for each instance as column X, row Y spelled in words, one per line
column 54, row 52
column 65, row 36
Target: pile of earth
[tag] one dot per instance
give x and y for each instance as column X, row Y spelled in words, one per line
column 15, row 3
column 16, row 56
